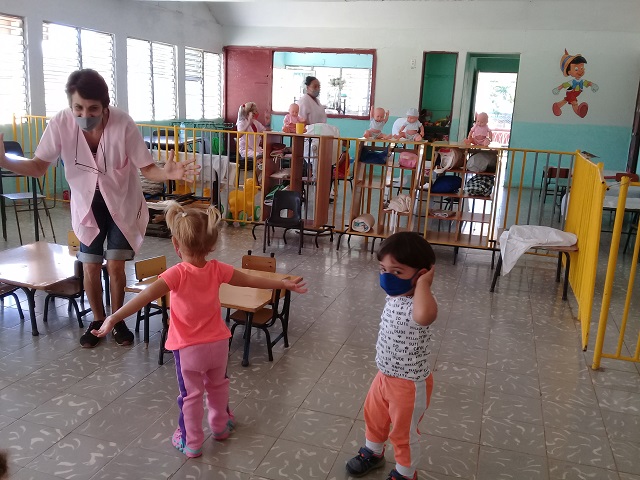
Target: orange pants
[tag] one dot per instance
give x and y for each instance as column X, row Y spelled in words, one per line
column 402, row 403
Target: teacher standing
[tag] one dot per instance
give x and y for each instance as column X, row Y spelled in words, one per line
column 103, row 151
column 310, row 107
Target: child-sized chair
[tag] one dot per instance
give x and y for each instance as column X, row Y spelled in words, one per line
column 147, row 272
column 10, row 290
column 286, row 212
column 265, row 318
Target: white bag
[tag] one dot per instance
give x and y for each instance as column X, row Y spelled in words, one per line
column 450, row 158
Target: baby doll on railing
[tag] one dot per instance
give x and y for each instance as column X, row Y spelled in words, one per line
column 412, row 129
column 291, row 118
column 379, row 118
column 480, row 134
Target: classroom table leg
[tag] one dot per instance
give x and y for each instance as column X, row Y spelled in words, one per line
column 32, row 309
column 247, row 339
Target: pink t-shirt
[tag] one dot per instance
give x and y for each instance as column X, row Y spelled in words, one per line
column 480, row 131
column 195, row 303
column 121, row 153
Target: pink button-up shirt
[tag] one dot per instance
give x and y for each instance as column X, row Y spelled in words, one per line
column 121, row 153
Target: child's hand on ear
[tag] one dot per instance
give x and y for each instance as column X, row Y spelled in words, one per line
column 299, row 287
column 426, row 278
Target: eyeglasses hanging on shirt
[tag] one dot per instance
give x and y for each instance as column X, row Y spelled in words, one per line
column 91, row 168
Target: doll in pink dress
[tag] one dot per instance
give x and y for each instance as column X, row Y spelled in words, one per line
column 480, row 134
column 291, row 118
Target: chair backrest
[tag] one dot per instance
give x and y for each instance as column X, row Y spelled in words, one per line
column 633, row 177
column 256, row 262
column 13, row 147
column 342, row 165
column 397, row 125
column 72, row 240
column 163, row 132
column 287, row 205
column 554, row 172
column 150, row 267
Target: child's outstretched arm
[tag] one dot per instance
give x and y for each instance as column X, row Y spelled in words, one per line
column 154, row 291
column 425, row 308
column 371, row 112
column 241, row 279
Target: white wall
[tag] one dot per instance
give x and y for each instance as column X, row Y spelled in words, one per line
column 606, row 33
column 181, row 24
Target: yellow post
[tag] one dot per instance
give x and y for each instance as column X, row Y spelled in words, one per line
column 611, row 272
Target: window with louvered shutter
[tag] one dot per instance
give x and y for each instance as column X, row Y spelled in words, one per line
column 203, row 84
column 163, row 68
column 66, row 49
column 13, row 77
column 151, row 80
column 194, row 83
column 139, row 82
column 212, row 85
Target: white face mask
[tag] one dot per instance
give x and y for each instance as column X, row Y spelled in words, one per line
column 88, row 123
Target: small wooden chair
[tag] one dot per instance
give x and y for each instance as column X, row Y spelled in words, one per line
column 10, row 290
column 147, row 272
column 74, row 246
column 265, row 318
column 72, row 290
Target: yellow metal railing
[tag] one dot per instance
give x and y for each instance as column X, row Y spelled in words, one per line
column 612, row 265
column 584, row 218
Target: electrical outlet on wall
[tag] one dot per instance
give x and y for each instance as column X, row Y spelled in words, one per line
column 412, row 63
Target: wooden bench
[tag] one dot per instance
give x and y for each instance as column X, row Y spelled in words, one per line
column 566, row 250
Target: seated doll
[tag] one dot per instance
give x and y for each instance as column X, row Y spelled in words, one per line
column 480, row 134
column 379, row 118
column 412, row 130
column 291, row 118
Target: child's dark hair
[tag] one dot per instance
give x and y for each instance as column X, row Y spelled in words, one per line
column 194, row 228
column 408, row 248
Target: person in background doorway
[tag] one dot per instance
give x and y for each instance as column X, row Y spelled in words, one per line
column 310, row 107
column 102, row 150
column 480, row 133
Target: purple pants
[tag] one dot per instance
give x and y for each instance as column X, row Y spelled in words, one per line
column 202, row 368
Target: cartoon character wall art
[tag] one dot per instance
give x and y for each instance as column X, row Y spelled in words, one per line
column 573, row 66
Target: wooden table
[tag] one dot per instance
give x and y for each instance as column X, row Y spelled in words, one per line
column 36, row 266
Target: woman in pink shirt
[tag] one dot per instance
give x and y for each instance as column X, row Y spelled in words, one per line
column 197, row 334
column 102, row 150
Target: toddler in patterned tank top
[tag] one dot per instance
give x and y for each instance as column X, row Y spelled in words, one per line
column 399, row 394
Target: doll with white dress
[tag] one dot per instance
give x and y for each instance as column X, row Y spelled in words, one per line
column 480, row 133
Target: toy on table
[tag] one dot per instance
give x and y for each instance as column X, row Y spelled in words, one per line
column 291, row 118
column 379, row 117
column 480, row 133
column 412, row 130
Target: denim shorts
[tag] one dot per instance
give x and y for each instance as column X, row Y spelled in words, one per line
column 118, row 247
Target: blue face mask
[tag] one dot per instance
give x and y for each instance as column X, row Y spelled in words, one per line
column 394, row 285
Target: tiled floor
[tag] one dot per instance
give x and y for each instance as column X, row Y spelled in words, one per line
column 514, row 396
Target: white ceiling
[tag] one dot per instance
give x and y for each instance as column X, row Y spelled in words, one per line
column 580, row 15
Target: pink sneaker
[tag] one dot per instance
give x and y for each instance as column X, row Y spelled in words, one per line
column 223, row 435
column 178, row 442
